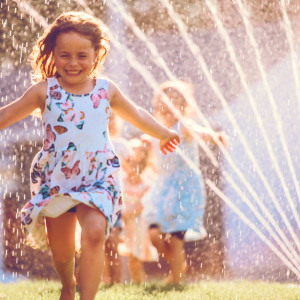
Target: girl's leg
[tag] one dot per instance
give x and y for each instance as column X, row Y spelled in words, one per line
column 113, row 258
column 171, row 250
column 106, row 277
column 158, row 240
column 175, row 256
column 61, row 238
column 136, row 269
column 93, row 224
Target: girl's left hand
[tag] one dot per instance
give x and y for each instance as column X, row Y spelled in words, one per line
column 223, row 138
column 169, row 143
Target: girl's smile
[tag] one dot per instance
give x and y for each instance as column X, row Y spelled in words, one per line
column 73, row 73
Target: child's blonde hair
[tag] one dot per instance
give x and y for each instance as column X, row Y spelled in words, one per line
column 177, row 91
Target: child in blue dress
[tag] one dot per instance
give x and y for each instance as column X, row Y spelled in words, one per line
column 75, row 177
column 176, row 201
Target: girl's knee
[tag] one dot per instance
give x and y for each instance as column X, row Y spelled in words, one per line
column 93, row 224
column 93, row 236
column 62, row 257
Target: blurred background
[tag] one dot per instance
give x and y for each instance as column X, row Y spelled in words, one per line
column 231, row 249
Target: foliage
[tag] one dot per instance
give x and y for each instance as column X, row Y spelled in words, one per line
column 20, row 30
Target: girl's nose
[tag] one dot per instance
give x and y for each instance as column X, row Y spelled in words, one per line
column 73, row 61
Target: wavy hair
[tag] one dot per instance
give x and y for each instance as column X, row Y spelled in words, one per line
column 42, row 61
column 177, row 91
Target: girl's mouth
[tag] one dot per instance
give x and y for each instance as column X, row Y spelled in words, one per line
column 73, row 73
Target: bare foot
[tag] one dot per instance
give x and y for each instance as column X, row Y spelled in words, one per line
column 170, row 281
column 170, row 278
column 68, row 293
column 106, row 279
column 184, row 269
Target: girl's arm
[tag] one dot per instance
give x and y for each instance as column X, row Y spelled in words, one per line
column 206, row 135
column 141, row 119
column 32, row 99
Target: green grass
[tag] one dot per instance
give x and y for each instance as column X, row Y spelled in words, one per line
column 227, row 290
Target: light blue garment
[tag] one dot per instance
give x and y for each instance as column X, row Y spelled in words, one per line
column 176, row 200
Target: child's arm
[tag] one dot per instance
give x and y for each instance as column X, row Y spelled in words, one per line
column 141, row 119
column 206, row 134
column 32, row 99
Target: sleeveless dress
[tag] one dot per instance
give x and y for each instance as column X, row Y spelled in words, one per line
column 77, row 163
column 176, row 200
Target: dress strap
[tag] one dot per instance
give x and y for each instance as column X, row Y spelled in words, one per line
column 51, row 83
column 102, row 83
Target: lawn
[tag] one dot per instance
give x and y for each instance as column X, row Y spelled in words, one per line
column 227, row 290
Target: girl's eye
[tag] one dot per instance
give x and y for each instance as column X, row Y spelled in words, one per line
column 64, row 56
column 82, row 56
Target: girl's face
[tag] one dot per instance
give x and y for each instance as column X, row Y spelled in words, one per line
column 164, row 113
column 73, row 56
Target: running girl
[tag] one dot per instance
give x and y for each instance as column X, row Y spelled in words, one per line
column 136, row 236
column 176, row 201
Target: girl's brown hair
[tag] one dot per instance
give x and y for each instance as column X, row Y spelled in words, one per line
column 42, row 61
column 177, row 91
column 42, row 55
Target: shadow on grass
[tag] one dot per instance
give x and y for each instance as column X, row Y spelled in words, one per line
column 155, row 288
column 105, row 286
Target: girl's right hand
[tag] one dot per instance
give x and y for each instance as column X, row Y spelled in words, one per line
column 223, row 138
column 169, row 143
column 32, row 99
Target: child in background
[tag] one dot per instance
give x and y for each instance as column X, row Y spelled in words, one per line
column 176, row 200
column 113, row 268
column 121, row 145
column 75, row 177
column 136, row 236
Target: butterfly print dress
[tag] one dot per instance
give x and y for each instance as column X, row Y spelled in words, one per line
column 77, row 163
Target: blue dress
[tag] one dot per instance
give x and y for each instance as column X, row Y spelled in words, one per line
column 176, row 200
